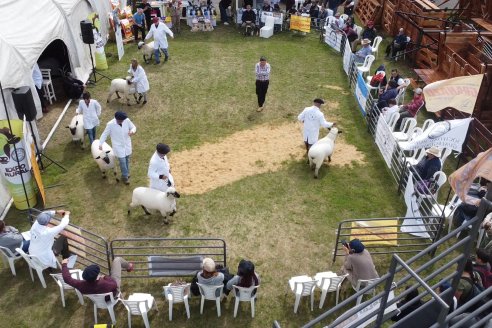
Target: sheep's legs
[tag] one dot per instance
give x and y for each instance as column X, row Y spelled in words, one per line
column 115, row 175
column 103, row 174
column 145, row 210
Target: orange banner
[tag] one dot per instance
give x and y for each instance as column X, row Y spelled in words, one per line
column 300, row 23
column 37, row 174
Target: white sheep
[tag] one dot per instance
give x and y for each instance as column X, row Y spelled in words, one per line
column 121, row 85
column 104, row 158
column 77, row 129
column 147, row 49
column 322, row 149
column 153, row 199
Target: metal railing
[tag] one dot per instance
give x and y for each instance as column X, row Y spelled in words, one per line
column 138, row 250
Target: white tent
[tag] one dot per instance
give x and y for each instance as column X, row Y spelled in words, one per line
column 27, row 28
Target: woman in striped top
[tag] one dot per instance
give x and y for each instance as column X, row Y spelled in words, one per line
column 262, row 70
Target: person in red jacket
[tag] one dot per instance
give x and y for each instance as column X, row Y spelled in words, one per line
column 93, row 282
column 411, row 109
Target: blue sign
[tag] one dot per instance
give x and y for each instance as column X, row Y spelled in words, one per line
column 361, row 93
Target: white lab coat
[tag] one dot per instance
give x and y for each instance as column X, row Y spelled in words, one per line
column 313, row 119
column 37, row 76
column 159, row 34
column 159, row 166
column 139, row 79
column 42, row 239
column 91, row 113
column 120, row 140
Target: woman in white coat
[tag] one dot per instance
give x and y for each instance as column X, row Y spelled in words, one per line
column 91, row 110
column 158, row 31
column 159, row 170
column 313, row 119
column 139, row 79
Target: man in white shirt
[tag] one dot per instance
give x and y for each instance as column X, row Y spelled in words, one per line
column 313, row 119
column 159, row 170
column 158, row 31
column 37, row 77
column 120, row 129
column 139, row 79
column 392, row 108
column 91, row 110
column 43, row 244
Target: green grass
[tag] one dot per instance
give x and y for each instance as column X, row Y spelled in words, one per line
column 283, row 221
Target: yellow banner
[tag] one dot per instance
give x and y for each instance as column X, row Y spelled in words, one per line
column 377, row 231
column 300, row 23
column 37, row 174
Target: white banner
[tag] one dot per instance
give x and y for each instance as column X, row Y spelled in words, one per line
column 413, row 226
column 333, row 36
column 459, row 93
column 446, row 134
column 385, row 140
column 117, row 32
column 347, row 56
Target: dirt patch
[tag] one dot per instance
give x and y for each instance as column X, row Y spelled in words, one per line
column 334, row 87
column 246, row 153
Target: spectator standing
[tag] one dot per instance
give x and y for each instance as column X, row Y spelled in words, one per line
column 43, row 244
column 399, row 43
column 176, row 11
column 91, row 110
column 358, row 263
column 159, row 30
column 138, row 24
column 313, row 119
column 224, row 5
column 368, row 33
column 262, row 72
column 147, row 10
column 139, row 79
column 120, row 130
column 365, row 51
column 348, row 7
column 37, row 77
column 11, row 238
column 333, row 6
column 159, row 171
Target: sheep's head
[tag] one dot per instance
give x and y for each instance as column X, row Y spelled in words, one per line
column 128, row 78
column 334, row 132
column 104, row 156
column 172, row 192
column 73, row 127
column 140, row 44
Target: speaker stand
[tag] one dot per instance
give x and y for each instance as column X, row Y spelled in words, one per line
column 40, row 154
column 95, row 73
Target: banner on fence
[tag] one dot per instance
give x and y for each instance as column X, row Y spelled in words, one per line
column 347, row 56
column 333, row 37
column 300, row 23
column 412, row 223
column 445, row 134
column 459, row 93
column 375, row 232
column 385, row 140
column 361, row 93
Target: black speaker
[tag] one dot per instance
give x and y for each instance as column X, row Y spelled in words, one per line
column 24, row 103
column 86, row 29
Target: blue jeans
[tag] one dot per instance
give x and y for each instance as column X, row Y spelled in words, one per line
column 25, row 245
column 124, row 166
column 157, row 55
column 92, row 134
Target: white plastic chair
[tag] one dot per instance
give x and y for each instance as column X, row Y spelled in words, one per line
column 404, row 134
column 49, row 91
column 177, row 294
column 361, row 284
column 428, row 123
column 243, row 294
column 302, row 286
column 9, row 258
column 100, row 302
column 366, row 66
column 438, row 209
column 417, row 155
column 328, row 282
column 267, row 30
column 139, row 304
column 414, row 133
column 392, row 121
column 34, row 264
column 403, row 51
column 445, row 152
column 439, row 179
column 58, row 277
column 375, row 44
column 211, row 293
column 368, row 81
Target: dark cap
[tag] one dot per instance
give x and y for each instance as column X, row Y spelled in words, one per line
column 120, row 116
column 262, row 58
column 319, row 101
column 91, row 272
column 162, row 148
column 357, row 246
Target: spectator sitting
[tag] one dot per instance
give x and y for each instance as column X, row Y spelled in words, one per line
column 276, row 8
column 468, row 208
column 392, row 108
column 395, row 76
column 245, row 277
column 209, row 274
column 441, row 289
column 94, row 283
column 323, row 15
column 349, row 30
column 365, row 51
column 414, row 306
column 368, row 33
column 248, row 17
column 339, row 22
column 467, row 287
column 348, row 7
column 314, row 13
column 398, row 43
column 411, row 109
column 11, row 238
column 358, row 263
column 429, row 165
column 390, row 93
column 482, row 266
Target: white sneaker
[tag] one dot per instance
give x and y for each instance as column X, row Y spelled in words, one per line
column 226, row 23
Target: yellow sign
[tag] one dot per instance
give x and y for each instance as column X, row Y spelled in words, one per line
column 377, row 231
column 300, row 23
column 37, row 174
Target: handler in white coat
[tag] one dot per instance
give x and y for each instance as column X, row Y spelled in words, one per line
column 159, row 170
column 313, row 119
column 91, row 110
column 159, row 30
column 120, row 129
column 139, row 79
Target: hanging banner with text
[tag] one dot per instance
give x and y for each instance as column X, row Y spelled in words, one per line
column 347, row 57
column 299, row 23
column 459, row 93
column 413, row 223
column 361, row 93
column 385, row 140
column 446, row 134
column 333, row 36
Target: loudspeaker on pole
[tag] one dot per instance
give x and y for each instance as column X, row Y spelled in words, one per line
column 24, row 103
column 86, row 30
